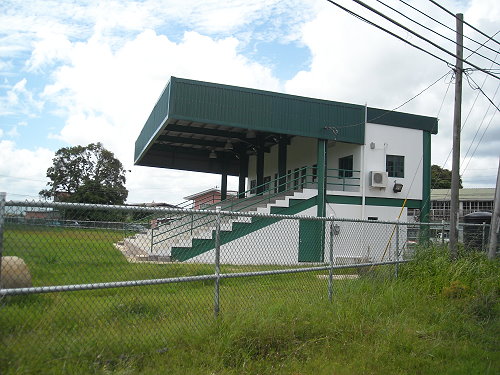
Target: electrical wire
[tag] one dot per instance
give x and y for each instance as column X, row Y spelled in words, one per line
column 427, row 201
column 387, row 31
column 480, row 140
column 466, row 23
column 470, row 111
column 446, row 26
column 469, row 78
column 366, row 6
column 431, row 30
column 477, row 132
column 399, row 106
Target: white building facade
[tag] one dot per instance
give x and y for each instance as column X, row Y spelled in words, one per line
column 302, row 156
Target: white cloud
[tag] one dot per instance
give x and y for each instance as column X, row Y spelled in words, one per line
column 19, row 99
column 51, row 46
column 107, row 95
column 356, row 63
column 22, row 171
column 109, row 61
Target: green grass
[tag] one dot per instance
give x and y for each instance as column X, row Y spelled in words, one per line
column 437, row 317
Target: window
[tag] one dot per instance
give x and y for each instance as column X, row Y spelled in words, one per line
column 395, row 165
column 345, row 166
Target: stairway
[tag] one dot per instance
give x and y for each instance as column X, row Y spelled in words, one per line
column 194, row 234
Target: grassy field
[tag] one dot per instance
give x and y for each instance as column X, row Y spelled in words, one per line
column 437, row 317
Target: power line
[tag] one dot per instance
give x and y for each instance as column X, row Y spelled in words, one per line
column 470, row 111
column 468, row 24
column 483, row 45
column 480, row 140
column 401, row 105
column 480, row 125
column 469, row 78
column 420, row 36
column 431, row 30
column 387, row 31
column 446, row 26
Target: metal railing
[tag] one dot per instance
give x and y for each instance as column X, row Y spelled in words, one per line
column 63, row 284
column 267, row 193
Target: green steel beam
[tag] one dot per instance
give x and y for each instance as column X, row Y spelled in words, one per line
column 243, row 174
column 426, row 178
column 282, row 148
column 322, row 159
column 260, row 165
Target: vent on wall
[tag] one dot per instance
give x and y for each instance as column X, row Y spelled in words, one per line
column 378, row 179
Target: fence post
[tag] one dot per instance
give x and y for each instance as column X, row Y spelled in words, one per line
column 484, row 236
column 217, row 263
column 330, row 274
column 2, row 221
column 152, row 239
column 442, row 233
column 396, row 268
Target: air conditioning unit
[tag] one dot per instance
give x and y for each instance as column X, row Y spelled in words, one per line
column 378, row 179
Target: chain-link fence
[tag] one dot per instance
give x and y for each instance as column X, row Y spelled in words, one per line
column 78, row 278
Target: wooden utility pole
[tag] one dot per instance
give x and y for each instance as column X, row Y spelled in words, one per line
column 457, row 122
column 495, row 219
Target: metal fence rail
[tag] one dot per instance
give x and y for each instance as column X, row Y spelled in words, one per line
column 231, row 262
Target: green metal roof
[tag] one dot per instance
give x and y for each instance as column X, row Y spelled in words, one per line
column 193, row 118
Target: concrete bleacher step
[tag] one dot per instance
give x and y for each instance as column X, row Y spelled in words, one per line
column 181, row 242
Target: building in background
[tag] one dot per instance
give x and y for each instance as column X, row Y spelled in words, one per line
column 208, row 198
column 470, row 200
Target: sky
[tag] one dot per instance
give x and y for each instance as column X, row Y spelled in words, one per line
column 75, row 72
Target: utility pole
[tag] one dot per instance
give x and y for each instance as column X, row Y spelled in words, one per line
column 495, row 219
column 457, row 121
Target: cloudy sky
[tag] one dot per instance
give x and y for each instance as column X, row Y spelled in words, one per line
column 75, row 72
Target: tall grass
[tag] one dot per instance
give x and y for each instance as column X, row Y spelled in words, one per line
column 437, row 317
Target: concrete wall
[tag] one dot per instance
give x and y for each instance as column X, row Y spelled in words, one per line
column 387, row 140
column 278, row 243
column 391, row 140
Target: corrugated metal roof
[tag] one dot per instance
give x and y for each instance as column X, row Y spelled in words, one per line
column 468, row 194
column 193, row 118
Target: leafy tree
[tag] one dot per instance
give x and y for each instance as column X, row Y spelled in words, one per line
column 89, row 174
column 441, row 178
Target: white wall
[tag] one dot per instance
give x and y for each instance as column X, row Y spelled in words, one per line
column 278, row 243
column 302, row 152
column 388, row 140
column 391, row 140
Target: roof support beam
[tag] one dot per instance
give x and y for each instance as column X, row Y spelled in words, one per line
column 190, row 141
column 205, row 131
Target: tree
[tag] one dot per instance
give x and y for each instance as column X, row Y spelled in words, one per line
column 441, row 178
column 89, row 174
